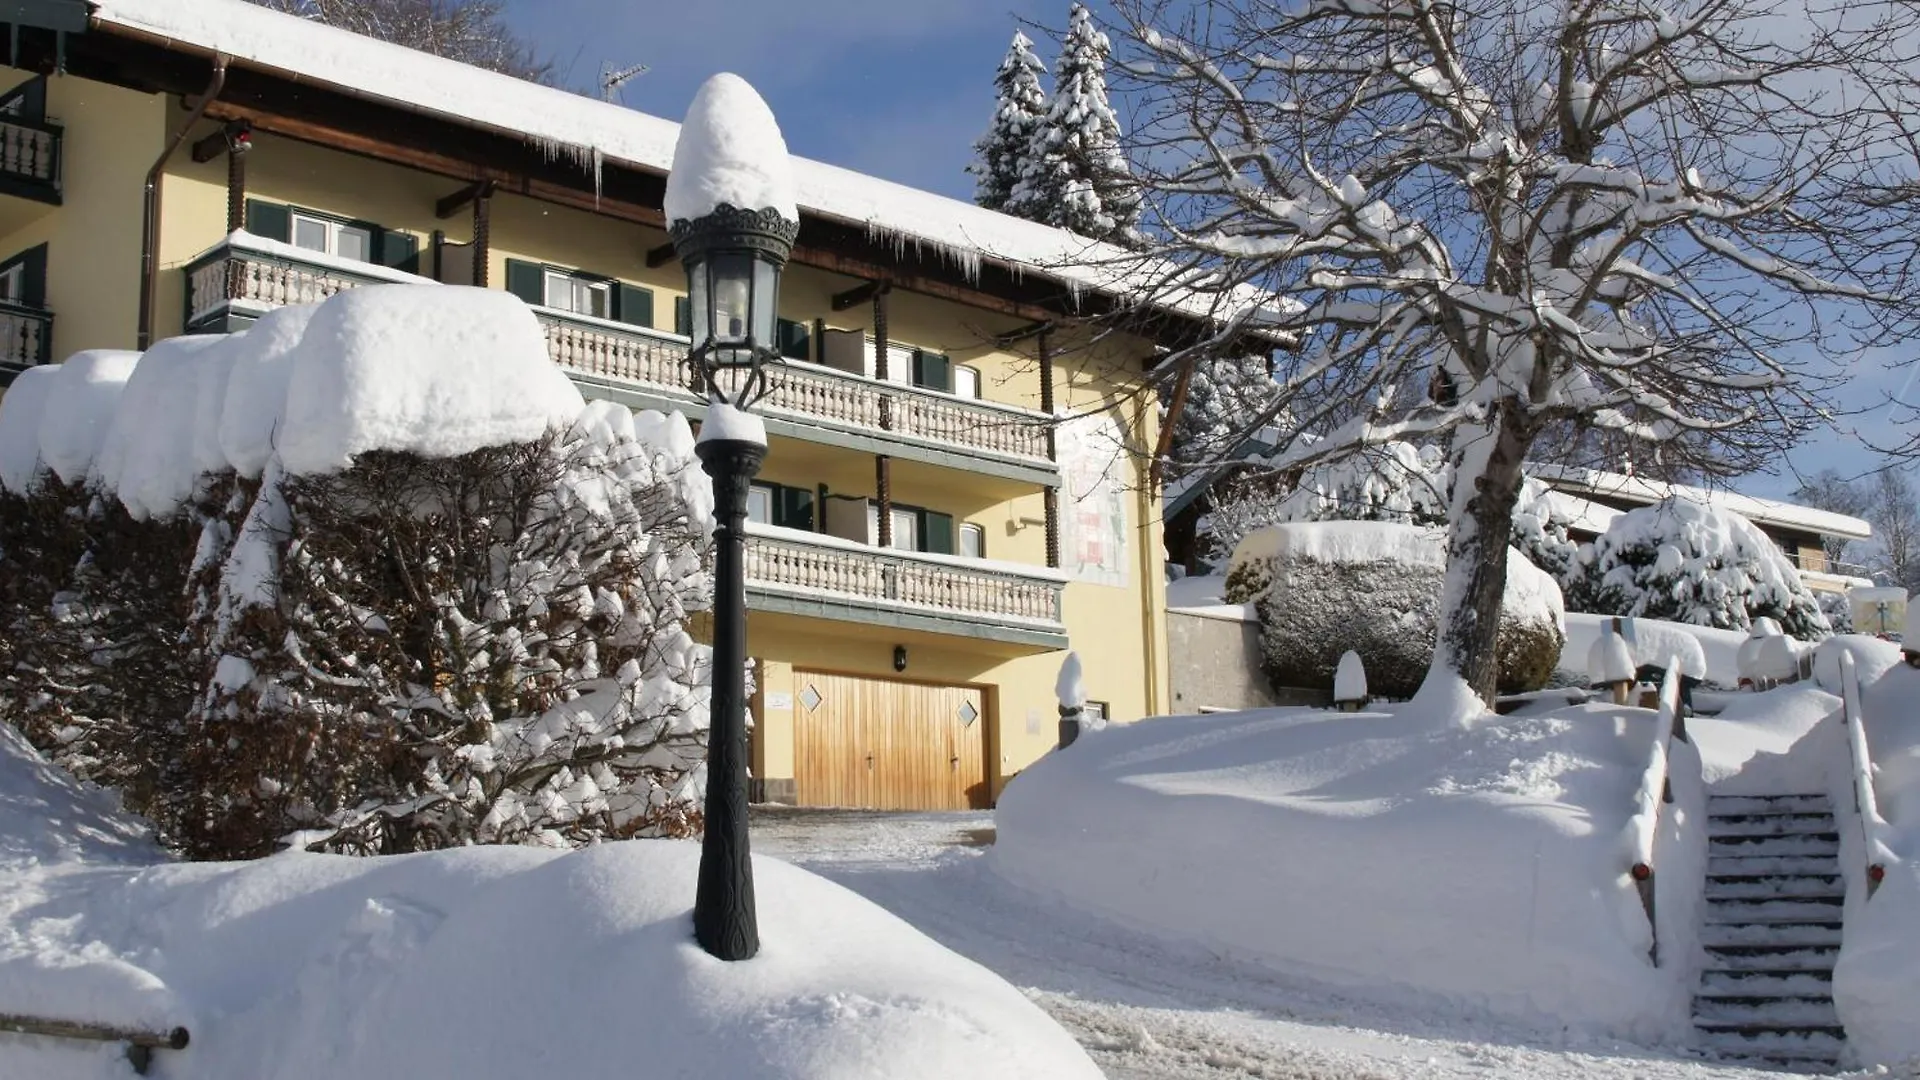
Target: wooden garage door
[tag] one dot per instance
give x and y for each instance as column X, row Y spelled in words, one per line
column 883, row 745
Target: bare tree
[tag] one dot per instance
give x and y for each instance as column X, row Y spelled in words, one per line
column 1894, row 511
column 1829, row 490
column 470, row 31
column 1491, row 217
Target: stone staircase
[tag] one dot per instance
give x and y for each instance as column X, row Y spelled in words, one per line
column 1771, row 932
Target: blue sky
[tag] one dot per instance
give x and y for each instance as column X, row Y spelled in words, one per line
column 901, row 88
column 895, row 88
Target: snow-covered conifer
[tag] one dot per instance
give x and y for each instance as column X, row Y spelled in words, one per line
column 1020, row 107
column 1075, row 174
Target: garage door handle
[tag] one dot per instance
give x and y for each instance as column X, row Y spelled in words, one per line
column 869, row 762
column 955, row 762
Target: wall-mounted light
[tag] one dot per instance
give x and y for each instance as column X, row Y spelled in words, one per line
column 899, row 658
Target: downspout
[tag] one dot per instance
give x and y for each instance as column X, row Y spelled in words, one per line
column 150, row 209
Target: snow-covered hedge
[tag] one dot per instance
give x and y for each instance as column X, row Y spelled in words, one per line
column 1684, row 561
column 1323, row 588
column 371, row 570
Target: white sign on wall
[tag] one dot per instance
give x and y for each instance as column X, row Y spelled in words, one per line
column 1093, row 511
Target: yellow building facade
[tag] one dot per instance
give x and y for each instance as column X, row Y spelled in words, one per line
column 956, row 491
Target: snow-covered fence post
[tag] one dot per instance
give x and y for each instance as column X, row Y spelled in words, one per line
column 1610, row 665
column 1350, row 683
column 732, row 219
column 1071, row 689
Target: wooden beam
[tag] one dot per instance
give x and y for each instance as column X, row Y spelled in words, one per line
column 661, row 256
column 210, row 147
column 858, row 295
column 450, row 205
column 1019, row 334
column 1157, row 467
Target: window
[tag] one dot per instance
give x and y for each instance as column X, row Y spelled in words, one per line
column 781, row 506
column 966, row 381
column 13, row 283
column 592, row 295
column 973, row 541
column 579, row 295
column 796, row 339
column 330, row 237
column 914, row 529
column 23, row 278
column 1094, row 710
column 906, row 529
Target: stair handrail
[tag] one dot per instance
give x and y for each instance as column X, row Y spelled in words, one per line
column 1873, row 827
column 1655, row 790
column 141, row 1042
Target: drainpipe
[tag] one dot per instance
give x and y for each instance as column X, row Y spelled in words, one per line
column 150, row 210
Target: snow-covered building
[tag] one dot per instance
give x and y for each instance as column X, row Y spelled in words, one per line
column 926, row 537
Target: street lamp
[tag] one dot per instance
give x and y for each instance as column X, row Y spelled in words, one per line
column 731, row 216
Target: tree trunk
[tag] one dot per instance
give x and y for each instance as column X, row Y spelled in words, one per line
column 1486, row 484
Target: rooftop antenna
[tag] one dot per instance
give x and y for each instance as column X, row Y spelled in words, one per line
column 612, row 79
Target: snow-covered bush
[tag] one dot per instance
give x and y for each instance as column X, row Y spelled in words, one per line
column 1684, row 561
column 1396, row 481
column 1321, row 589
column 1540, row 533
column 1838, row 609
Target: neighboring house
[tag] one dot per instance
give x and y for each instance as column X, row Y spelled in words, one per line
column 924, row 542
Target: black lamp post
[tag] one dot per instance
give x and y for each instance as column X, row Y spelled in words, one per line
column 733, row 259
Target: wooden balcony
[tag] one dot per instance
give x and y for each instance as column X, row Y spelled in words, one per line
column 26, row 339
column 813, row 574
column 236, row 281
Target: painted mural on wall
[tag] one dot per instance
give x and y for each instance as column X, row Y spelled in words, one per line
column 1093, row 513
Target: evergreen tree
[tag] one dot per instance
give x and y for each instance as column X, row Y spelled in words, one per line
column 1019, row 110
column 1075, row 175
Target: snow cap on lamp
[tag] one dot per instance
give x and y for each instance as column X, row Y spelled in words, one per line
column 730, row 152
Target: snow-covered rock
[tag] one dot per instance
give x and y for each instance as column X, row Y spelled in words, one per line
column 476, row 374
column 729, row 152
column 1420, row 865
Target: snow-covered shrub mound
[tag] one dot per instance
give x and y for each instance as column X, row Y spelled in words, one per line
column 1384, row 854
column 20, row 411
column 1684, row 561
column 319, row 967
column 80, row 410
column 1872, row 658
column 1323, row 588
column 1704, row 653
column 435, row 370
column 1877, row 978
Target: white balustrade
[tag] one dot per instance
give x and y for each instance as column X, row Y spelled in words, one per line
column 890, row 578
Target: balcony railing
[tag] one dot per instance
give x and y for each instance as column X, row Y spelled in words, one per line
column 30, row 158
column 248, row 276
column 26, row 337
column 826, row 567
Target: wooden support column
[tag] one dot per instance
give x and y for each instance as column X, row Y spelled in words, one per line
column 239, row 140
column 883, row 496
column 1050, row 496
column 880, row 356
column 482, row 233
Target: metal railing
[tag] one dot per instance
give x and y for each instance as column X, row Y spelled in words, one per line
column 1873, row 828
column 1655, row 791
column 141, row 1042
column 233, row 276
column 900, row 579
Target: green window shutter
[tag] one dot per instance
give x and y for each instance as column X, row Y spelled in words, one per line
column 931, row 370
column 936, row 533
column 33, row 287
column 399, row 250
column 796, row 340
column 273, row 221
column 794, row 509
column 633, row 304
column 682, row 316
column 527, row 281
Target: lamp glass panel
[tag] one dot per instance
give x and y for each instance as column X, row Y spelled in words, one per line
column 766, row 299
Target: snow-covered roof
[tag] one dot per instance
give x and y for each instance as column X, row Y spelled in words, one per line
column 591, row 133
column 1637, row 489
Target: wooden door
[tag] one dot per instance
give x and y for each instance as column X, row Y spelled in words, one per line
column 882, row 745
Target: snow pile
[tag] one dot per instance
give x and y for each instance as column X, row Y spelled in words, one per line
column 1609, row 660
column 257, row 388
column 729, row 153
column 312, row 967
column 1350, row 679
column 20, row 411
column 437, row 370
column 1877, row 979
column 1383, row 853
column 1705, row 653
column 1685, row 561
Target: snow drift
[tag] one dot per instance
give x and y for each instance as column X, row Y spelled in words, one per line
column 1478, row 870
